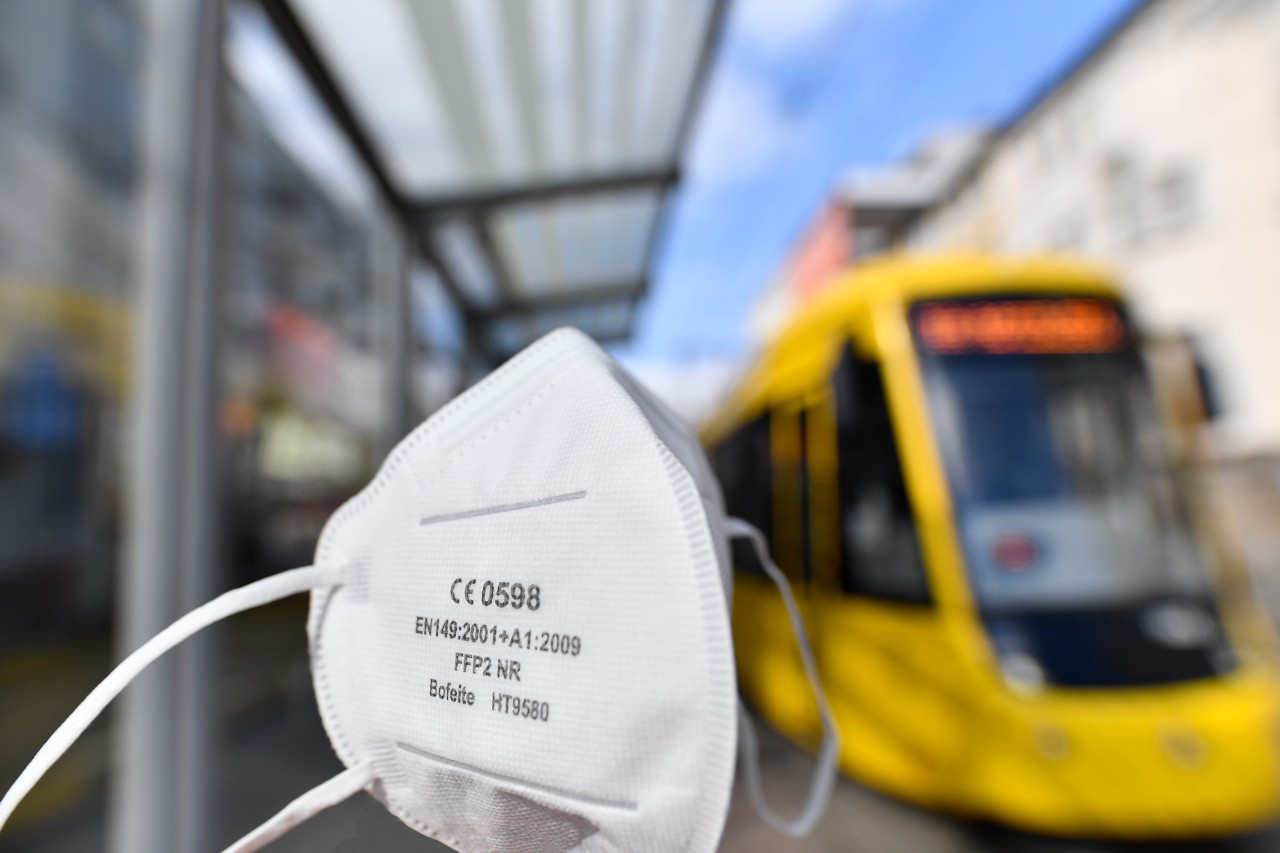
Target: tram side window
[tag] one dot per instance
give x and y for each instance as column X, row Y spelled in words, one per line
column 880, row 553
column 745, row 469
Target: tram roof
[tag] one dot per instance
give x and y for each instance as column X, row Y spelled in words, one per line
column 910, row 277
column 805, row 351
column 529, row 146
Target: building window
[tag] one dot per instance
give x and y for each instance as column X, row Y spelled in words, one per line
column 1176, row 198
column 1124, row 191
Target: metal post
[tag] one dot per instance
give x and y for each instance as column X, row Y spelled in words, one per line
column 200, row 559
column 394, row 321
column 157, row 799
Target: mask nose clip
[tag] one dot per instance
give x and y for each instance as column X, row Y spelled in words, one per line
column 822, row 782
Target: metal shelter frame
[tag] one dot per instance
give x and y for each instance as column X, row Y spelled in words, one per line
column 169, row 557
column 421, row 215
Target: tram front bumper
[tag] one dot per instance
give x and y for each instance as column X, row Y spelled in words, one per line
column 1189, row 761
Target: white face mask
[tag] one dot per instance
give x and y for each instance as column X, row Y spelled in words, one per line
column 519, row 631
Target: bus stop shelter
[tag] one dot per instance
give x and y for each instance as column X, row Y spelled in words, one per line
column 523, row 152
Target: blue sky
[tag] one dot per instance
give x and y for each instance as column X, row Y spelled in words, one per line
column 802, row 91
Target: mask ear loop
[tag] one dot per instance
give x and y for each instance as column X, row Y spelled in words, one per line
column 246, row 597
column 824, row 772
column 323, row 796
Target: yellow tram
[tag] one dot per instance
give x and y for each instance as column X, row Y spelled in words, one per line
column 1016, row 611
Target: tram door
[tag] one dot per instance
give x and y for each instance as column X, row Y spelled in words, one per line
column 887, row 666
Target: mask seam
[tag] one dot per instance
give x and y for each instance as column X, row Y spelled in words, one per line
column 324, row 691
column 710, row 578
column 721, row 680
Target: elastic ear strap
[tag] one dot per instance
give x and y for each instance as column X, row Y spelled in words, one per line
column 824, row 772
column 323, row 796
column 253, row 595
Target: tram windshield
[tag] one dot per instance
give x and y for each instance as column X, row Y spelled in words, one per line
column 1063, row 489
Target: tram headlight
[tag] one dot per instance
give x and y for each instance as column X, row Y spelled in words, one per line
column 1020, row 670
column 1022, row 673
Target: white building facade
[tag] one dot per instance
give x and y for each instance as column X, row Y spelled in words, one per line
column 1158, row 153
